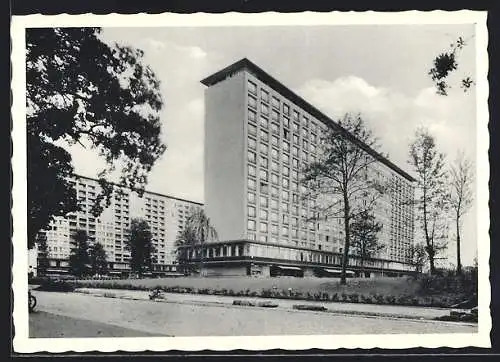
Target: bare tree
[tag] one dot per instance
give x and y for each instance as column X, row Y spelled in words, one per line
column 431, row 200
column 461, row 196
column 339, row 181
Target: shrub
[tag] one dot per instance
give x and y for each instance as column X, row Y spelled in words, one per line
column 366, row 299
column 334, row 297
column 109, row 295
column 267, row 304
column 379, row 298
column 245, row 303
column 56, row 286
column 354, row 298
column 390, row 299
column 344, row 297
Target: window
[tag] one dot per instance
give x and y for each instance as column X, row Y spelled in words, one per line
column 305, row 121
column 251, row 211
column 274, row 140
column 295, row 115
column 251, row 183
column 285, row 195
column 274, row 191
column 264, row 95
column 263, row 148
column 286, row 109
column 274, row 179
column 252, row 116
column 304, row 156
column 286, row 171
column 295, row 221
column 285, row 219
column 295, row 210
column 274, row 229
column 295, row 163
column 264, row 108
column 263, row 214
column 263, row 227
column 251, row 197
column 263, row 238
column 305, row 144
column 264, row 135
column 295, row 186
column 252, row 144
column 286, row 122
column 295, row 198
column 286, row 134
column 295, row 150
column 275, row 115
column 274, row 204
column 285, row 207
column 274, row 153
column 286, row 146
column 284, row 231
column 295, row 139
column 252, row 102
column 263, row 201
column 313, row 126
column 275, row 128
column 276, row 102
column 285, row 183
column 304, row 132
column 295, row 175
column 264, row 162
column 285, row 158
column 295, row 233
column 263, row 175
column 252, row 129
column 251, row 170
column 251, row 156
column 264, row 122
column 295, row 127
column 274, row 165
column 274, row 216
column 252, row 87
column 251, row 225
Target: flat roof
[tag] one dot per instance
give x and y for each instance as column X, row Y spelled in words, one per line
column 145, row 191
column 259, row 73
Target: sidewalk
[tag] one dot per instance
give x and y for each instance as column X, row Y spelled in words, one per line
column 392, row 311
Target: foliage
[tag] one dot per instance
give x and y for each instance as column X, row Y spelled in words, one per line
column 432, row 198
column 49, row 285
column 140, row 246
column 198, row 230
column 418, row 256
column 79, row 261
column 43, row 254
column 444, row 64
column 364, row 230
column 461, row 197
column 339, row 183
column 98, row 261
column 81, row 90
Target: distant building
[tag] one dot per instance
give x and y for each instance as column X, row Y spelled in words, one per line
column 258, row 136
column 165, row 215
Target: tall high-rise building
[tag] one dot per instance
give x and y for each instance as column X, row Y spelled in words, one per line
column 258, row 136
column 166, row 216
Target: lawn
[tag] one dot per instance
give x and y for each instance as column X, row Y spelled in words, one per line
column 386, row 286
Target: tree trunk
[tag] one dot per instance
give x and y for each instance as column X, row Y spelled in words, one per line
column 430, row 247
column 459, row 262
column 347, row 241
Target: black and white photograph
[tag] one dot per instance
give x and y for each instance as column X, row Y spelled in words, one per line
column 256, row 181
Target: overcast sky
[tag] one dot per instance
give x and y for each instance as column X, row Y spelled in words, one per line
column 380, row 71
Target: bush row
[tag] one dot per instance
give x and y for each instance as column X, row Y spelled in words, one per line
column 407, row 300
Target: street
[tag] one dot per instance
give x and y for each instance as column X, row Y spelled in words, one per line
column 81, row 315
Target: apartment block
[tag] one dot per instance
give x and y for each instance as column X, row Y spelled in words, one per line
column 259, row 135
column 166, row 216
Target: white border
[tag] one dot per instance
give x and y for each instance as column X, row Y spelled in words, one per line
column 22, row 342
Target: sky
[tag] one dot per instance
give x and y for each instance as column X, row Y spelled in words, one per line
column 377, row 70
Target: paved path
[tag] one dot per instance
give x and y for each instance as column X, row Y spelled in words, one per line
column 351, row 308
column 180, row 319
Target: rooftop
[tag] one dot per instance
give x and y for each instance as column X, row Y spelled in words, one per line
column 145, row 191
column 263, row 76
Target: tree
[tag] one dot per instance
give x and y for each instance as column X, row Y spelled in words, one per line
column 364, row 239
column 444, row 64
column 338, row 181
column 98, row 260
column 431, row 200
column 185, row 237
column 461, row 196
column 43, row 254
column 140, row 246
column 81, row 90
column 417, row 256
column 79, row 261
column 197, row 231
